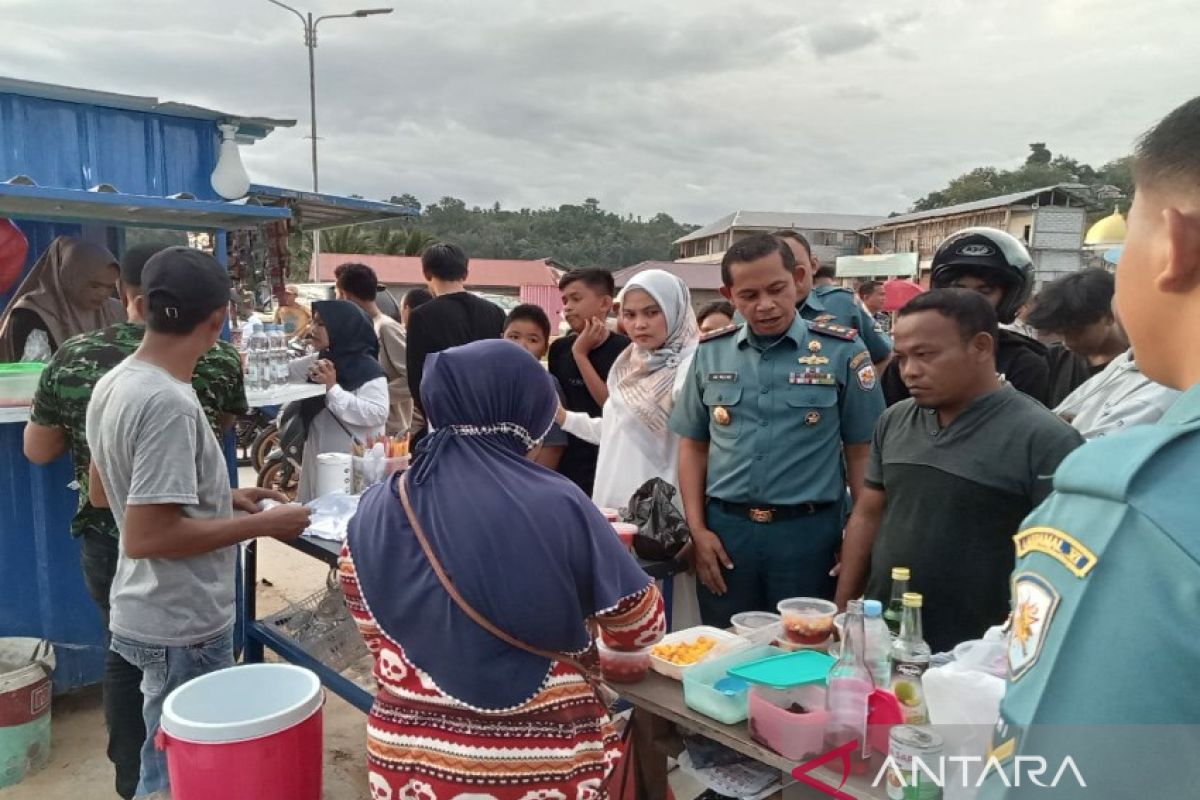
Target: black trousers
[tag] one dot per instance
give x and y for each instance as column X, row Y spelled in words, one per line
column 122, row 680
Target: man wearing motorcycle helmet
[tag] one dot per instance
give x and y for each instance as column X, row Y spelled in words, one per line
column 998, row 266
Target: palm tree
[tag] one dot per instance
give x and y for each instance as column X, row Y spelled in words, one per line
column 390, row 241
column 418, row 240
column 344, row 240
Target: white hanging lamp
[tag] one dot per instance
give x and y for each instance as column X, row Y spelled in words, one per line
column 229, row 179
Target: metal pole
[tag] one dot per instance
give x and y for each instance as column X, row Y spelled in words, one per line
column 314, row 273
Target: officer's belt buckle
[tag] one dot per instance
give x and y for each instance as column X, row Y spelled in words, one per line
column 763, row 516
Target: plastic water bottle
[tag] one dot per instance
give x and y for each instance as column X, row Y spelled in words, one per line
column 849, row 689
column 279, row 357
column 258, row 362
column 878, row 644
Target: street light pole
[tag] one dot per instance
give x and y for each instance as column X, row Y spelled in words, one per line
column 310, row 41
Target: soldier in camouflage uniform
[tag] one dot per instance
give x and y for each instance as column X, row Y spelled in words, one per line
column 57, row 425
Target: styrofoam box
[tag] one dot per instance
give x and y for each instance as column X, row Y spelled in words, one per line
column 725, row 641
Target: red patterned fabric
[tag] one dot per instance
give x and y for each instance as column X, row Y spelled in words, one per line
column 424, row 745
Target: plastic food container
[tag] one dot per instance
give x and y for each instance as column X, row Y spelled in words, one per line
column 791, row 722
column 807, row 620
column 626, row 530
column 18, row 383
column 724, row 639
column 749, row 621
column 698, row 685
column 623, row 666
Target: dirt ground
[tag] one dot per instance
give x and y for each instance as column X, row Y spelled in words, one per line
column 79, row 768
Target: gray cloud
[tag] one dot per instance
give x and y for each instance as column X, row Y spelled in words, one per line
column 842, row 37
column 649, row 105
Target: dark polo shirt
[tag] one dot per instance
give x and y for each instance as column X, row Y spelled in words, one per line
column 955, row 498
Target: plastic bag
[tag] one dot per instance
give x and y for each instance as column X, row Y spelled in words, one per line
column 37, row 347
column 662, row 530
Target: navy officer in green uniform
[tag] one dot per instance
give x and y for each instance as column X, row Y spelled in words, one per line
column 766, row 414
column 833, row 303
column 1104, row 658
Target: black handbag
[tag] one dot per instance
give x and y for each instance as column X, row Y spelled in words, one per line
column 662, row 530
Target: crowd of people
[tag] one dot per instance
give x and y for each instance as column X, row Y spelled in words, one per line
column 815, row 442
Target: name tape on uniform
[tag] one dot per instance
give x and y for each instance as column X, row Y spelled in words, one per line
column 1062, row 547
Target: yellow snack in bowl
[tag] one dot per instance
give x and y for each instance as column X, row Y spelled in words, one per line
column 685, row 653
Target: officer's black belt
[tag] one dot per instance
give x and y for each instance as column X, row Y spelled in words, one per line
column 764, row 513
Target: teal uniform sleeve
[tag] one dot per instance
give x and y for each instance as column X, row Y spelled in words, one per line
column 1103, row 651
column 862, row 399
column 878, row 343
column 689, row 418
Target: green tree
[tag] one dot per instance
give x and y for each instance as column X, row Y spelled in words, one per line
column 1038, row 154
column 350, row 239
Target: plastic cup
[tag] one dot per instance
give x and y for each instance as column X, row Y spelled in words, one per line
column 750, row 621
column 626, row 530
column 623, row 666
column 807, row 620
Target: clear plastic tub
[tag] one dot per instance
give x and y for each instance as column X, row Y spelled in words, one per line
column 724, row 639
column 777, row 721
column 698, row 685
column 18, row 383
column 807, row 620
column 623, row 666
column 747, row 622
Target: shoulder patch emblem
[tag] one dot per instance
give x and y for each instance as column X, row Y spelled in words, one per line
column 836, row 331
column 824, row 318
column 720, row 332
column 860, row 359
column 1062, row 547
column 1034, row 602
column 866, row 377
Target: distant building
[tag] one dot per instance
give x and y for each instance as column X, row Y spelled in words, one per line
column 703, row 280
column 831, row 235
column 1050, row 221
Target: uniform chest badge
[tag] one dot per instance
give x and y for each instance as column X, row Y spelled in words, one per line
column 814, row 358
column 1034, row 602
column 812, row 377
column 814, row 346
column 825, row 318
column 812, row 418
column 721, row 416
column 1062, row 547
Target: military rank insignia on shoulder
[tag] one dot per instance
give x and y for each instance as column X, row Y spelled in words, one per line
column 720, row 332
column 836, row 331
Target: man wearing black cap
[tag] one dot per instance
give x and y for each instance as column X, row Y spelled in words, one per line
column 157, row 464
column 56, row 426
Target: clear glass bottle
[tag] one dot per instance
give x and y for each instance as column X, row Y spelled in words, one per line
column 895, row 607
column 849, row 688
column 910, row 659
column 878, row 644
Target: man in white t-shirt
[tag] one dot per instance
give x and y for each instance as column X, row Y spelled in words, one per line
column 158, row 465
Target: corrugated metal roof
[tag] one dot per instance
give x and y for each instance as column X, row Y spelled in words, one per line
column 485, row 272
column 977, row 205
column 76, row 205
column 800, row 220
column 250, row 129
column 316, row 211
column 698, row 277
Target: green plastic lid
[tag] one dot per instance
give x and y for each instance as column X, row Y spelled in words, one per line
column 21, row 368
column 787, row 670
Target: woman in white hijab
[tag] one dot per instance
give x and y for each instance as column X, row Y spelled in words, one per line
column 635, row 442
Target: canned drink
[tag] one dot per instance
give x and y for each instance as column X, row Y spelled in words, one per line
column 907, row 744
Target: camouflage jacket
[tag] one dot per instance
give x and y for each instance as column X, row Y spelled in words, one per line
column 66, row 387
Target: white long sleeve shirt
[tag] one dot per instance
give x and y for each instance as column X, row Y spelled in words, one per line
column 347, row 416
column 1118, row 397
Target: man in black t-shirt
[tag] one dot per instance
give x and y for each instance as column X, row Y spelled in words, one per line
column 953, row 471
column 581, row 361
column 454, row 317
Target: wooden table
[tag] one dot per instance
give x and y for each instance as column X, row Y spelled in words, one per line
column 659, row 708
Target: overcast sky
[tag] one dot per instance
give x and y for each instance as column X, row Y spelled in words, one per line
column 693, row 107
